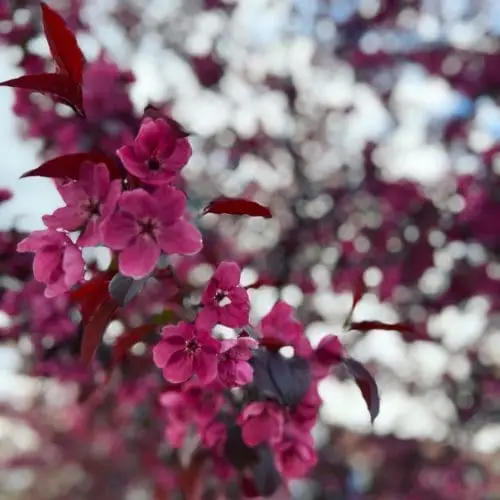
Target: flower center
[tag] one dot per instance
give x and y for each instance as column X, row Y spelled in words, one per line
column 192, row 346
column 148, row 227
column 93, row 208
column 154, row 164
column 221, row 298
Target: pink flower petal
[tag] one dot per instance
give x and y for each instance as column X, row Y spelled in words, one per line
column 68, row 218
column 180, row 238
column 140, row 258
column 119, row 230
column 138, row 203
column 228, row 275
column 73, row 266
column 179, row 367
column 171, row 204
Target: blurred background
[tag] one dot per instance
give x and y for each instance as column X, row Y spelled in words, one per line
column 370, row 128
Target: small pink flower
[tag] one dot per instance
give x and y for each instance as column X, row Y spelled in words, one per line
column 177, row 417
column 279, row 328
column 261, row 422
column 329, row 352
column 88, row 201
column 157, row 154
column 185, row 351
column 234, row 369
column 295, row 454
column 214, row 436
column 224, row 300
column 147, row 224
column 58, row 261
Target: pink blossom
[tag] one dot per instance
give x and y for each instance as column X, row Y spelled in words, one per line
column 88, row 201
column 261, row 422
column 328, row 353
column 58, row 261
column 234, row 369
column 214, row 436
column 147, row 224
column 177, row 413
column 279, row 328
column 185, row 351
column 157, row 154
column 224, row 300
column 295, row 454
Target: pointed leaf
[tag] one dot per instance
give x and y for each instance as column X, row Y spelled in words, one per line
column 58, row 86
column 364, row 326
column 129, row 339
column 91, row 295
column 63, row 45
column 94, row 330
column 237, row 206
column 366, row 384
column 68, row 166
column 358, row 292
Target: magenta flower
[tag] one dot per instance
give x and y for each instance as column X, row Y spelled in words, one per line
column 185, row 351
column 261, row 422
column 234, row 368
column 214, row 436
column 329, row 352
column 88, row 201
column 295, row 454
column 157, row 154
column 224, row 300
column 146, row 225
column 279, row 328
column 58, row 261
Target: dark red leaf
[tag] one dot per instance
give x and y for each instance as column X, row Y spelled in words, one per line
column 129, row 339
column 68, row 166
column 94, row 329
column 364, row 326
column 91, row 295
column 63, row 45
column 358, row 292
column 261, row 282
column 58, row 86
column 237, row 206
column 366, row 384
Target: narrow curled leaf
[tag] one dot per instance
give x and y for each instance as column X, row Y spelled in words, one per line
column 94, row 329
column 366, row 384
column 260, row 283
column 364, row 326
column 128, row 340
column 63, row 45
column 58, row 86
column 358, row 292
column 68, row 166
column 91, row 295
column 237, row 206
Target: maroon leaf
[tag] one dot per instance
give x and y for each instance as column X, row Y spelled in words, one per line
column 63, row 45
column 364, row 326
column 94, row 329
column 359, row 291
column 237, row 206
column 91, row 295
column 68, row 166
column 129, row 339
column 261, row 282
column 366, row 384
column 58, row 86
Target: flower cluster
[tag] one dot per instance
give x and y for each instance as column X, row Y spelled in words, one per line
column 257, row 398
